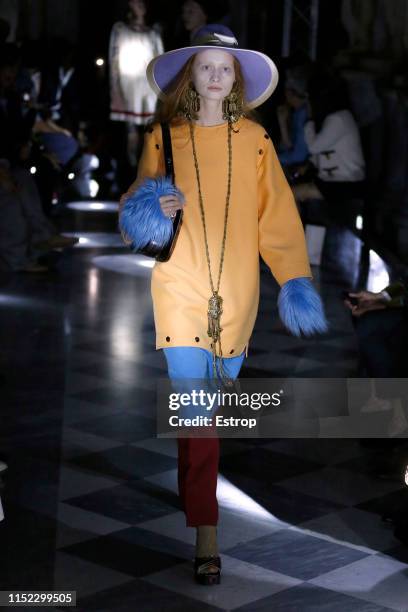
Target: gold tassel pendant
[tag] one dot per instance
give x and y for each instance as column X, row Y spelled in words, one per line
column 214, row 325
column 214, row 316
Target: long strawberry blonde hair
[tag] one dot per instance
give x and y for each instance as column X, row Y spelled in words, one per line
column 169, row 109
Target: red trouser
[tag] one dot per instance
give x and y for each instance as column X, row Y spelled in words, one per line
column 198, row 460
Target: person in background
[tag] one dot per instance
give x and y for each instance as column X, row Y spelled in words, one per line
column 57, row 141
column 26, row 119
column 15, row 116
column 196, row 13
column 133, row 43
column 54, row 99
column 381, row 324
column 334, row 143
column 292, row 117
column 25, row 231
column 194, row 16
column 61, row 87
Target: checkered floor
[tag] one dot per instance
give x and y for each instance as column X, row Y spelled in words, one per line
column 90, row 499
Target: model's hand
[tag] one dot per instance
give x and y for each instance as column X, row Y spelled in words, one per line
column 367, row 301
column 170, row 205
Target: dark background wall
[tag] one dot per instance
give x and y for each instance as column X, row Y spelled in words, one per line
column 258, row 23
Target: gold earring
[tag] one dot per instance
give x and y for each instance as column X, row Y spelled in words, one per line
column 232, row 107
column 191, row 103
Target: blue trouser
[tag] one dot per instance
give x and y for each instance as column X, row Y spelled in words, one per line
column 192, row 362
column 198, row 458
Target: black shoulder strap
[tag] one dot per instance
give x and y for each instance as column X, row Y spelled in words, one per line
column 168, row 153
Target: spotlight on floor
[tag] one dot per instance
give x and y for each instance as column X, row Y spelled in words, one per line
column 90, row 206
column 132, row 265
column 232, row 497
column 97, row 239
column 18, row 302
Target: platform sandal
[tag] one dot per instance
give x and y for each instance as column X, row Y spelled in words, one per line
column 201, row 567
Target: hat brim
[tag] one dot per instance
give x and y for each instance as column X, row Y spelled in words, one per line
column 259, row 71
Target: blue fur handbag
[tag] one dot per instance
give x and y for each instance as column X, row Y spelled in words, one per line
column 152, row 233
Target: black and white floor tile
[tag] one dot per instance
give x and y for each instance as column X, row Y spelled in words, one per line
column 90, row 496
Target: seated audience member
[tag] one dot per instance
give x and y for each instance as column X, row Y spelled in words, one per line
column 25, row 231
column 14, row 116
column 333, row 140
column 20, row 113
column 381, row 323
column 61, row 87
column 29, row 78
column 57, row 141
column 292, row 117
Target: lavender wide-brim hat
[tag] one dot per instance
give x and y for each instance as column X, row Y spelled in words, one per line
column 260, row 73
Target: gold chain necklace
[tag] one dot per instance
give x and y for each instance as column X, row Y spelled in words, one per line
column 215, row 302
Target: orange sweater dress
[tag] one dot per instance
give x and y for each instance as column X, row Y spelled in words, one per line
column 263, row 219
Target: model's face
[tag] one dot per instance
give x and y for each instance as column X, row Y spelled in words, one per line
column 193, row 15
column 213, row 74
column 137, row 7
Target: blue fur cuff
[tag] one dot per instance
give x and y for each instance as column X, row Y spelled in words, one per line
column 300, row 308
column 142, row 218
